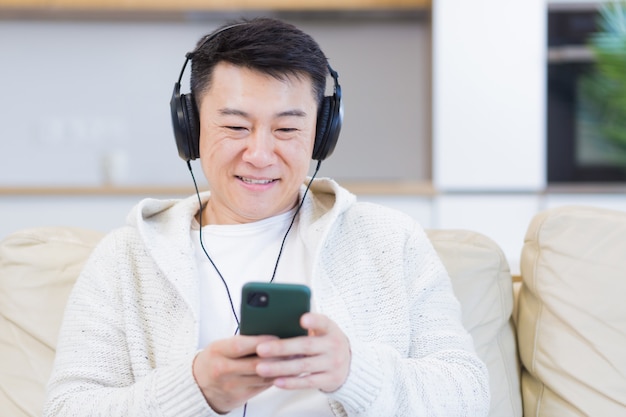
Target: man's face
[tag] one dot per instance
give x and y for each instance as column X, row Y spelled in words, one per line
column 256, row 141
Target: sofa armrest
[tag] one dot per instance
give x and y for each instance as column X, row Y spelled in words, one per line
column 571, row 315
column 38, row 268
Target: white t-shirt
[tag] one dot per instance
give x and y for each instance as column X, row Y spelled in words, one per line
column 243, row 253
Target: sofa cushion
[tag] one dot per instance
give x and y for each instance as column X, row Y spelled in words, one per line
column 39, row 267
column 572, row 314
column 482, row 282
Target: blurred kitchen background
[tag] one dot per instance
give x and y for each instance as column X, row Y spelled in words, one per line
column 461, row 113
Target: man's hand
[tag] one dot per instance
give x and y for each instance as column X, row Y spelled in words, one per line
column 320, row 360
column 226, row 373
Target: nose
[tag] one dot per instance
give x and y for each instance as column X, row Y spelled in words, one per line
column 260, row 148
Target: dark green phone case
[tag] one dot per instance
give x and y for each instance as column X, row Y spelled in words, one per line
column 278, row 313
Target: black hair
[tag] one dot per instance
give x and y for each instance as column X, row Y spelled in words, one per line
column 267, row 45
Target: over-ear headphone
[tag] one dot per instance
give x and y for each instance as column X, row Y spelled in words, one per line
column 186, row 121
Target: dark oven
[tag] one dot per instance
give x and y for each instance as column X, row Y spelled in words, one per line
column 577, row 151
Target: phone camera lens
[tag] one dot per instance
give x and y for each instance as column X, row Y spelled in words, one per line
column 258, row 299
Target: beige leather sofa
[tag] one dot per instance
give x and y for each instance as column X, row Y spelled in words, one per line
column 559, row 351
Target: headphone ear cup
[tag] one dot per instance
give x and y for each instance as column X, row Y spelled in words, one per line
column 186, row 124
column 329, row 121
column 323, row 116
column 192, row 121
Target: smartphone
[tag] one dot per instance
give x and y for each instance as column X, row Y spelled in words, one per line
column 273, row 309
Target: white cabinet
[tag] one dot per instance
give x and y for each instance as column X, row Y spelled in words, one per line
column 488, row 95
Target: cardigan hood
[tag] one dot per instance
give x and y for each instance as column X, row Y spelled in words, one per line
column 172, row 219
column 164, row 227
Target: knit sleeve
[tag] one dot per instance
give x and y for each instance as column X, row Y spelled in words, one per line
column 410, row 353
column 103, row 365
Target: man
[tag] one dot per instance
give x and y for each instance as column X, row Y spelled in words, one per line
column 151, row 328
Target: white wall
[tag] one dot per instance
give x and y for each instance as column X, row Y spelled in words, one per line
column 81, row 93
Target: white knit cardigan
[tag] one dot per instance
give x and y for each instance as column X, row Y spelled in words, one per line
column 130, row 330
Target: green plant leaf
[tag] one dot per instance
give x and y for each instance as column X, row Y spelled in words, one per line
column 605, row 88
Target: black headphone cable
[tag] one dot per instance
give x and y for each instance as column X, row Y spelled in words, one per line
column 282, row 245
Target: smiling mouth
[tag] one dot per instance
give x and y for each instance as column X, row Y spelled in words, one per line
column 254, row 181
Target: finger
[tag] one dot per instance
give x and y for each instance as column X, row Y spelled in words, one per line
column 212, row 368
column 292, row 367
column 325, row 336
column 220, row 368
column 287, row 348
column 321, row 362
column 243, row 383
column 317, row 324
column 331, row 361
column 239, row 346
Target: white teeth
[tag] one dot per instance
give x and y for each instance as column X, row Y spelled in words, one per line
column 253, row 181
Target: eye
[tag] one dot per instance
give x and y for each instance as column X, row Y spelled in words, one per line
column 285, row 133
column 235, row 131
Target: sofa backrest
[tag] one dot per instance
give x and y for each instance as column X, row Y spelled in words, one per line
column 38, row 268
column 572, row 313
column 482, row 282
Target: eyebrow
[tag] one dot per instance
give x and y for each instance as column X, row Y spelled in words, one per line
column 234, row 112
